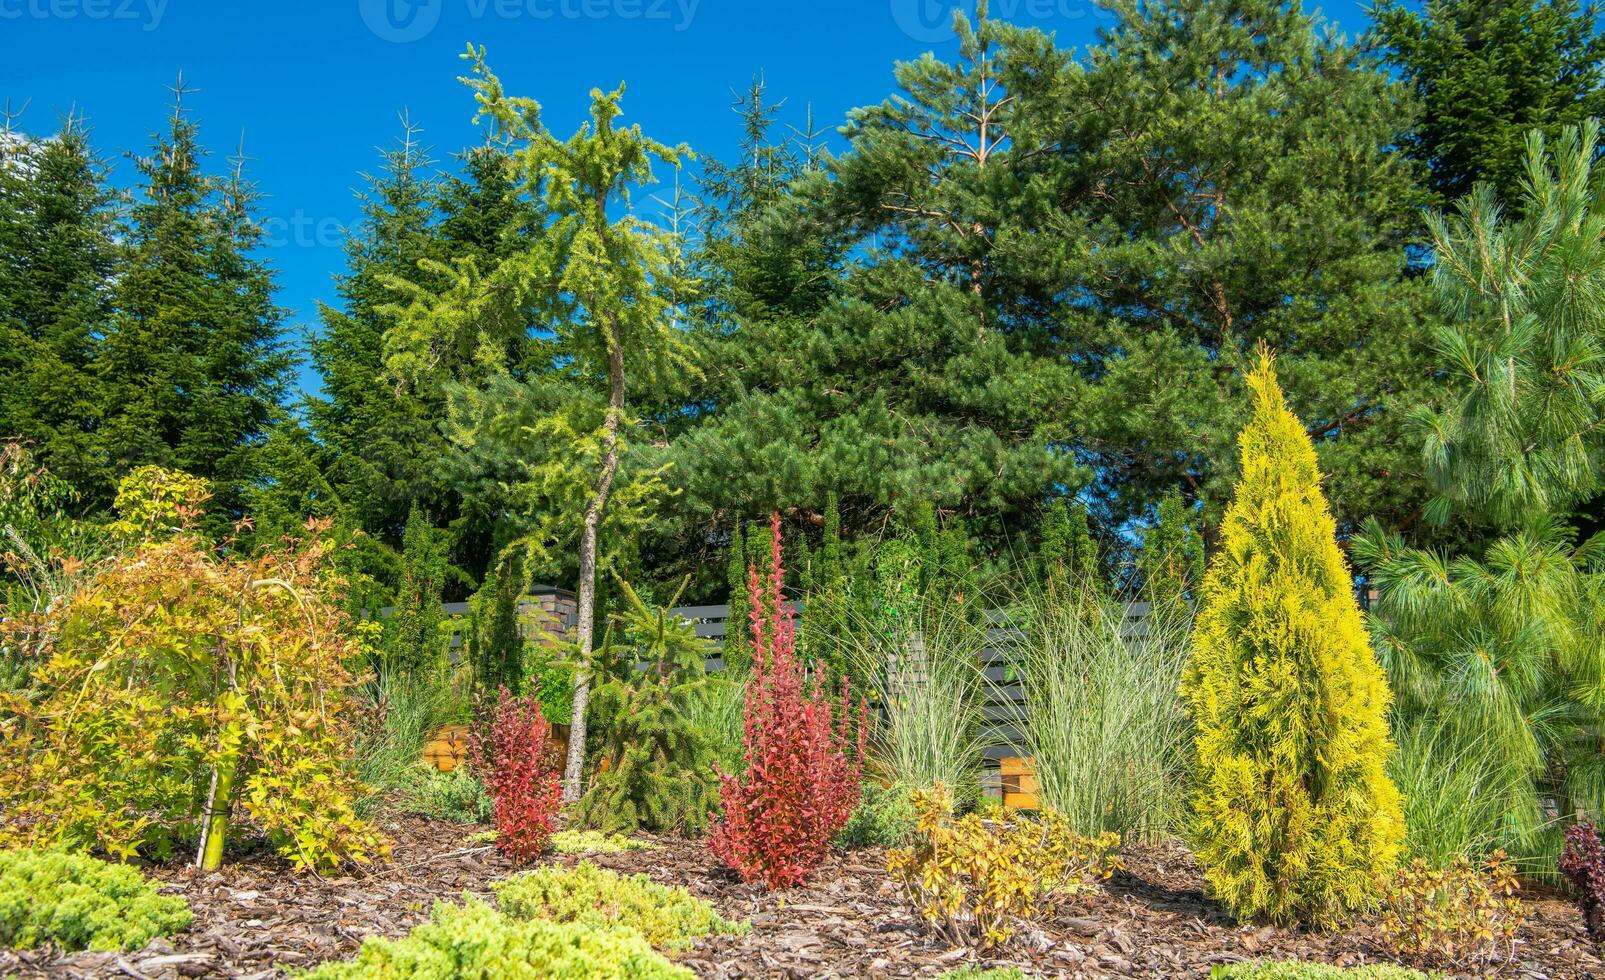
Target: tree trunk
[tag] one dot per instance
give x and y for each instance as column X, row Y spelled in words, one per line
column 214, row 825
column 574, row 770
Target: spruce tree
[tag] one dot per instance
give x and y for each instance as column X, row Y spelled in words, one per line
column 57, row 260
column 1294, row 817
column 382, row 449
column 194, row 364
column 659, row 765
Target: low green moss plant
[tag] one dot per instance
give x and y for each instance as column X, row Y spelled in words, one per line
column 977, row 973
column 596, row 842
column 78, row 902
column 1294, row 970
column 669, row 918
column 475, row 940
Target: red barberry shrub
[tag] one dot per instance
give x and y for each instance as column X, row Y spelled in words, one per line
column 803, row 751
column 1582, row 861
column 510, row 754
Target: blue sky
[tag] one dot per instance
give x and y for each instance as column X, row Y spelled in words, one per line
column 315, row 86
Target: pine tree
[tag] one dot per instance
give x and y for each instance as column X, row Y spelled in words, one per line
column 56, row 265
column 1496, row 649
column 194, row 364
column 1294, row 817
column 1233, row 149
column 1487, row 72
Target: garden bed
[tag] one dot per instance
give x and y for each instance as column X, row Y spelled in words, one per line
column 254, row 919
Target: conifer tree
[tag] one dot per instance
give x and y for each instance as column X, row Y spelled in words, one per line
column 598, row 286
column 1487, row 72
column 383, row 451
column 1497, row 650
column 659, row 773
column 1172, row 559
column 1070, row 565
column 735, row 623
column 413, row 641
column 1294, row 817
column 194, row 364
column 56, row 264
column 498, row 649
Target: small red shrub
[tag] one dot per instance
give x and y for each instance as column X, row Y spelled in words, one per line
column 1582, row 861
column 510, row 754
column 803, row 755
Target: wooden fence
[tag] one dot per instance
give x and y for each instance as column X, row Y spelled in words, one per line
column 551, row 611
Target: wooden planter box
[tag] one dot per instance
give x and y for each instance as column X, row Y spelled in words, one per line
column 448, row 749
column 1019, row 783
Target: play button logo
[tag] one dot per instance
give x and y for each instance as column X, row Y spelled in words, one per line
column 400, row 21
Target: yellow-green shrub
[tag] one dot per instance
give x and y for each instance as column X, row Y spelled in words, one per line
column 669, row 918
column 976, row 879
column 1294, row 817
column 596, row 842
column 473, row 940
column 180, row 689
column 78, row 902
column 1458, row 916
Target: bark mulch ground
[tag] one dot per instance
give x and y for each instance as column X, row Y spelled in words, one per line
column 256, row 919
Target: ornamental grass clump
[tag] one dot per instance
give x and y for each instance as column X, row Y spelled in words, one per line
column 1294, row 818
column 669, row 918
column 803, row 750
column 511, row 754
column 77, row 902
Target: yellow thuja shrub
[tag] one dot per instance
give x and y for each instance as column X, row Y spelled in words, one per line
column 976, row 879
column 1294, row 818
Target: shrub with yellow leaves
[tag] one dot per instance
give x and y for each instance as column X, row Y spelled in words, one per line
column 179, row 690
column 1458, row 917
column 977, row 880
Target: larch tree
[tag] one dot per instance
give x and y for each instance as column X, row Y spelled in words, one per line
column 591, row 293
column 1294, row 816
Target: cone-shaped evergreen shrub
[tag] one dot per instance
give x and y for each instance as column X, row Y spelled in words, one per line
column 1294, row 817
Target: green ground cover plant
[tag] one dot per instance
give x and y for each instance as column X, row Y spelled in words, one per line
column 77, row 902
column 669, row 917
